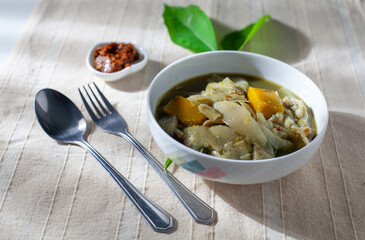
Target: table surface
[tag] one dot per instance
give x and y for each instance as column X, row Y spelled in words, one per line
column 52, row 191
column 14, row 15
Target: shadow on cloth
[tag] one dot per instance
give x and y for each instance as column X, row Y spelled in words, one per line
column 275, row 39
column 138, row 81
column 298, row 205
column 280, row 41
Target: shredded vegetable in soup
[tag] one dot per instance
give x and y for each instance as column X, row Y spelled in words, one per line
column 236, row 117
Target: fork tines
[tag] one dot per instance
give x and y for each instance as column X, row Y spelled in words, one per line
column 101, row 110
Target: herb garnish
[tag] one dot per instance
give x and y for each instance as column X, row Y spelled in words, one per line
column 191, row 28
column 167, row 163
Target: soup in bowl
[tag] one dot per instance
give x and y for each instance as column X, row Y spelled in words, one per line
column 236, row 117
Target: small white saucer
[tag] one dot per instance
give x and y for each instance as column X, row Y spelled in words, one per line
column 110, row 77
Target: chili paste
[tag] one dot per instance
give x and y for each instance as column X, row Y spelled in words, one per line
column 114, row 57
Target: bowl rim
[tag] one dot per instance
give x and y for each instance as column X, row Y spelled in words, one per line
column 139, row 49
column 153, row 120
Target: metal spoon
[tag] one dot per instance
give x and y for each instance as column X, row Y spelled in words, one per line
column 62, row 120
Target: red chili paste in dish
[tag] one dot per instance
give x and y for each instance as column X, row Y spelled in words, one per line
column 114, row 57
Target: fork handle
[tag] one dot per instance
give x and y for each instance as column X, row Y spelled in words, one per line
column 158, row 219
column 198, row 210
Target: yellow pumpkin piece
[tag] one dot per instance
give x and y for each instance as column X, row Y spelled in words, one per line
column 185, row 110
column 264, row 101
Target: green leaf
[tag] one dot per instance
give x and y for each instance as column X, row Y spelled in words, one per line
column 237, row 40
column 167, row 163
column 190, row 28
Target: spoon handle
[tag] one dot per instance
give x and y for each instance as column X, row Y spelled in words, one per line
column 198, row 210
column 158, row 219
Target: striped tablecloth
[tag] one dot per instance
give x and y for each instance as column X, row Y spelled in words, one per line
column 54, row 191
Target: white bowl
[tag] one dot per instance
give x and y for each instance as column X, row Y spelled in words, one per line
column 114, row 76
column 227, row 170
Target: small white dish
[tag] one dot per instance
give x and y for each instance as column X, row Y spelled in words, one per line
column 110, row 77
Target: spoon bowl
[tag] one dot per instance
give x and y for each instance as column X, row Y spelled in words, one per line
column 59, row 117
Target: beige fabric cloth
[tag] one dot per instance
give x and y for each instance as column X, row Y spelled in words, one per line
column 54, row 191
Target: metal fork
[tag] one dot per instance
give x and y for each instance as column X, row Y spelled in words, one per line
column 110, row 121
